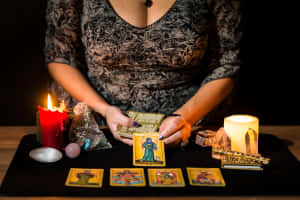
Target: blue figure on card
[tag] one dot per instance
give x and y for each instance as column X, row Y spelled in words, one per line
column 149, row 146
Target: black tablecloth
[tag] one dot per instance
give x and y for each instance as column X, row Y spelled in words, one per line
column 26, row 177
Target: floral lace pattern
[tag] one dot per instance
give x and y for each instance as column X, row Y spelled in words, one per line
column 152, row 69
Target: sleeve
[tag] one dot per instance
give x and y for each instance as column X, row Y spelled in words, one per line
column 224, row 40
column 62, row 39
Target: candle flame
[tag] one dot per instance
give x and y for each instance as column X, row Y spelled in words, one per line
column 49, row 103
column 242, row 118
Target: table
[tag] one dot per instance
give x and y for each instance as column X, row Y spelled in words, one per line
column 10, row 138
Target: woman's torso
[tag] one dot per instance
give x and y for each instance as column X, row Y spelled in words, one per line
column 156, row 68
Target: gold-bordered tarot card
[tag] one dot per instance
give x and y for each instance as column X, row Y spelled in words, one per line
column 148, row 150
column 166, row 177
column 149, row 122
column 80, row 177
column 205, row 177
column 127, row 177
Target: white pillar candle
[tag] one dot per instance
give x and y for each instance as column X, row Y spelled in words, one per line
column 243, row 133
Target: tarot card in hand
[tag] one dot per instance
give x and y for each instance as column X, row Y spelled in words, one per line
column 148, row 150
column 149, row 122
column 79, row 177
column 166, row 177
column 127, row 177
column 205, row 177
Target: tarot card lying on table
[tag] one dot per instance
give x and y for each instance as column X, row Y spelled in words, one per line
column 149, row 122
column 205, row 177
column 148, row 150
column 127, row 177
column 166, row 177
column 79, row 177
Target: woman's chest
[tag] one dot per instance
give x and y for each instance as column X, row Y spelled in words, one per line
column 173, row 35
column 138, row 14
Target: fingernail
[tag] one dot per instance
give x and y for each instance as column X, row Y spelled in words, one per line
column 160, row 137
column 135, row 124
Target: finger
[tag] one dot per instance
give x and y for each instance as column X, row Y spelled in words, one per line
column 122, row 139
column 162, row 126
column 118, row 137
column 126, row 121
column 174, row 138
column 113, row 127
column 171, row 127
column 126, row 141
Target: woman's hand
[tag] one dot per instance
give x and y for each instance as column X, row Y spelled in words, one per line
column 175, row 130
column 114, row 119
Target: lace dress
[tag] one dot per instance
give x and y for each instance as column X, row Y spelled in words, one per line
column 152, row 69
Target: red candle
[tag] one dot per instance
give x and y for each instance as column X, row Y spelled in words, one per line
column 53, row 124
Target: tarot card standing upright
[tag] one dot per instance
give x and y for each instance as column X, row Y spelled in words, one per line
column 205, row 177
column 79, row 177
column 127, row 177
column 148, row 150
column 166, row 177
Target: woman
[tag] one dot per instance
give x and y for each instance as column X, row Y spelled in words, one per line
column 163, row 56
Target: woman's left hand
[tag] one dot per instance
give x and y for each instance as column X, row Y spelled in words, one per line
column 175, row 130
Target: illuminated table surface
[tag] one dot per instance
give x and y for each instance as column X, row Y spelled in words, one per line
column 11, row 136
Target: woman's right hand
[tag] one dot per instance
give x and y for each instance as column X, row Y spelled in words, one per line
column 115, row 118
column 78, row 87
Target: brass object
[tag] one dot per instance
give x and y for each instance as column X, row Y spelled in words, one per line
column 243, row 156
column 231, row 162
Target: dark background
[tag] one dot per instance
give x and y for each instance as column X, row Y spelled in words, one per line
column 269, row 80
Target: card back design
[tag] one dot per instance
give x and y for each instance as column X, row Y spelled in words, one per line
column 166, row 177
column 205, row 177
column 80, row 177
column 127, row 177
column 148, row 150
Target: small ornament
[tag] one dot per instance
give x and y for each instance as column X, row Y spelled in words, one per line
column 205, row 138
column 72, row 150
column 85, row 131
column 45, row 154
column 87, row 143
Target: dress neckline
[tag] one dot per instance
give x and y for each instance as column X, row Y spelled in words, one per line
column 148, row 26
